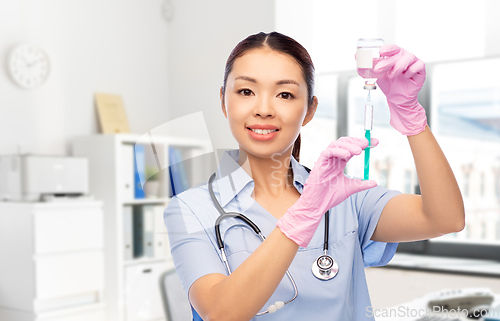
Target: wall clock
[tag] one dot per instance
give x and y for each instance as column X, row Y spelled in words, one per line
column 28, row 65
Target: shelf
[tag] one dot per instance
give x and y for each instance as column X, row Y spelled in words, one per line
column 146, row 139
column 73, row 310
column 111, row 180
column 162, row 200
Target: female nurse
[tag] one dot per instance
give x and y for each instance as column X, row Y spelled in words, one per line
column 267, row 96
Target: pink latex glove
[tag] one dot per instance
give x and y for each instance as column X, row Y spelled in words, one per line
column 326, row 187
column 400, row 76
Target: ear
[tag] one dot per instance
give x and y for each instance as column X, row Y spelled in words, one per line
column 311, row 111
column 222, row 101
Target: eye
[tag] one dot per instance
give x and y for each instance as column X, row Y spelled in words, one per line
column 286, row 95
column 245, row 91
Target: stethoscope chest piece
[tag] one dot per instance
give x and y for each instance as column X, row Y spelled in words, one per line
column 325, row 267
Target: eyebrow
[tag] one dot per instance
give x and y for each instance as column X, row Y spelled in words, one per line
column 279, row 82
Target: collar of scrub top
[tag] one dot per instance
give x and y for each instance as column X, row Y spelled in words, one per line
column 232, row 178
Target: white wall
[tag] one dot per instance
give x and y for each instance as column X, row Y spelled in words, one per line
column 109, row 46
column 201, row 36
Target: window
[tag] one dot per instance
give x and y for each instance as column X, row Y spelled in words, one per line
column 497, row 183
column 408, row 183
column 462, row 101
column 469, row 139
column 498, row 227
column 482, row 183
column 466, row 182
column 465, row 120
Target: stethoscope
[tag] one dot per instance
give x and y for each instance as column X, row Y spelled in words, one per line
column 324, row 267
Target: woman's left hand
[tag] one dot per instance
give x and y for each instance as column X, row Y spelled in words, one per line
column 400, row 76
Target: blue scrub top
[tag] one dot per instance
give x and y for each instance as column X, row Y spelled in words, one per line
column 190, row 219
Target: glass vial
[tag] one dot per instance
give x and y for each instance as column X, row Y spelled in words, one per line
column 368, row 50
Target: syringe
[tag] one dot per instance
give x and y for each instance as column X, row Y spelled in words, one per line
column 368, row 51
column 368, row 128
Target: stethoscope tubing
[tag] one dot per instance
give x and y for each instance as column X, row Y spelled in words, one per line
column 255, row 228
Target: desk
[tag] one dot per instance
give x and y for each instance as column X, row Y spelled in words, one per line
column 51, row 261
column 408, row 277
column 417, row 310
column 449, row 265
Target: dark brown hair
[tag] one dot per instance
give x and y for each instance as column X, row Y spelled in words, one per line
column 283, row 44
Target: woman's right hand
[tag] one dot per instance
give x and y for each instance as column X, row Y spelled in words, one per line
column 326, row 187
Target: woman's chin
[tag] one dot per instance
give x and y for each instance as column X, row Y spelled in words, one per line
column 273, row 152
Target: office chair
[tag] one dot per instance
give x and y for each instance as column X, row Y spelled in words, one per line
column 175, row 300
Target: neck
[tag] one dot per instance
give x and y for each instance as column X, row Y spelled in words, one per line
column 272, row 176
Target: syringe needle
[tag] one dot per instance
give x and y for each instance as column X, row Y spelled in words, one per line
column 368, row 99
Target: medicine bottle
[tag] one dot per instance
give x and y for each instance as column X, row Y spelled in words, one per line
column 367, row 52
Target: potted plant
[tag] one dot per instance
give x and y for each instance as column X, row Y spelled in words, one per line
column 152, row 185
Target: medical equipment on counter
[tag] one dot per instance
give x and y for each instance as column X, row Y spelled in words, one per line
column 34, row 178
column 367, row 52
column 449, row 305
column 324, row 267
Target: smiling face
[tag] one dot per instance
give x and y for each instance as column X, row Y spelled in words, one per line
column 266, row 88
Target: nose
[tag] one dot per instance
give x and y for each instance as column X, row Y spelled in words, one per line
column 264, row 108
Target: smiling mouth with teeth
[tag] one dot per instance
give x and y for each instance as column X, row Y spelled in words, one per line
column 263, row 131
